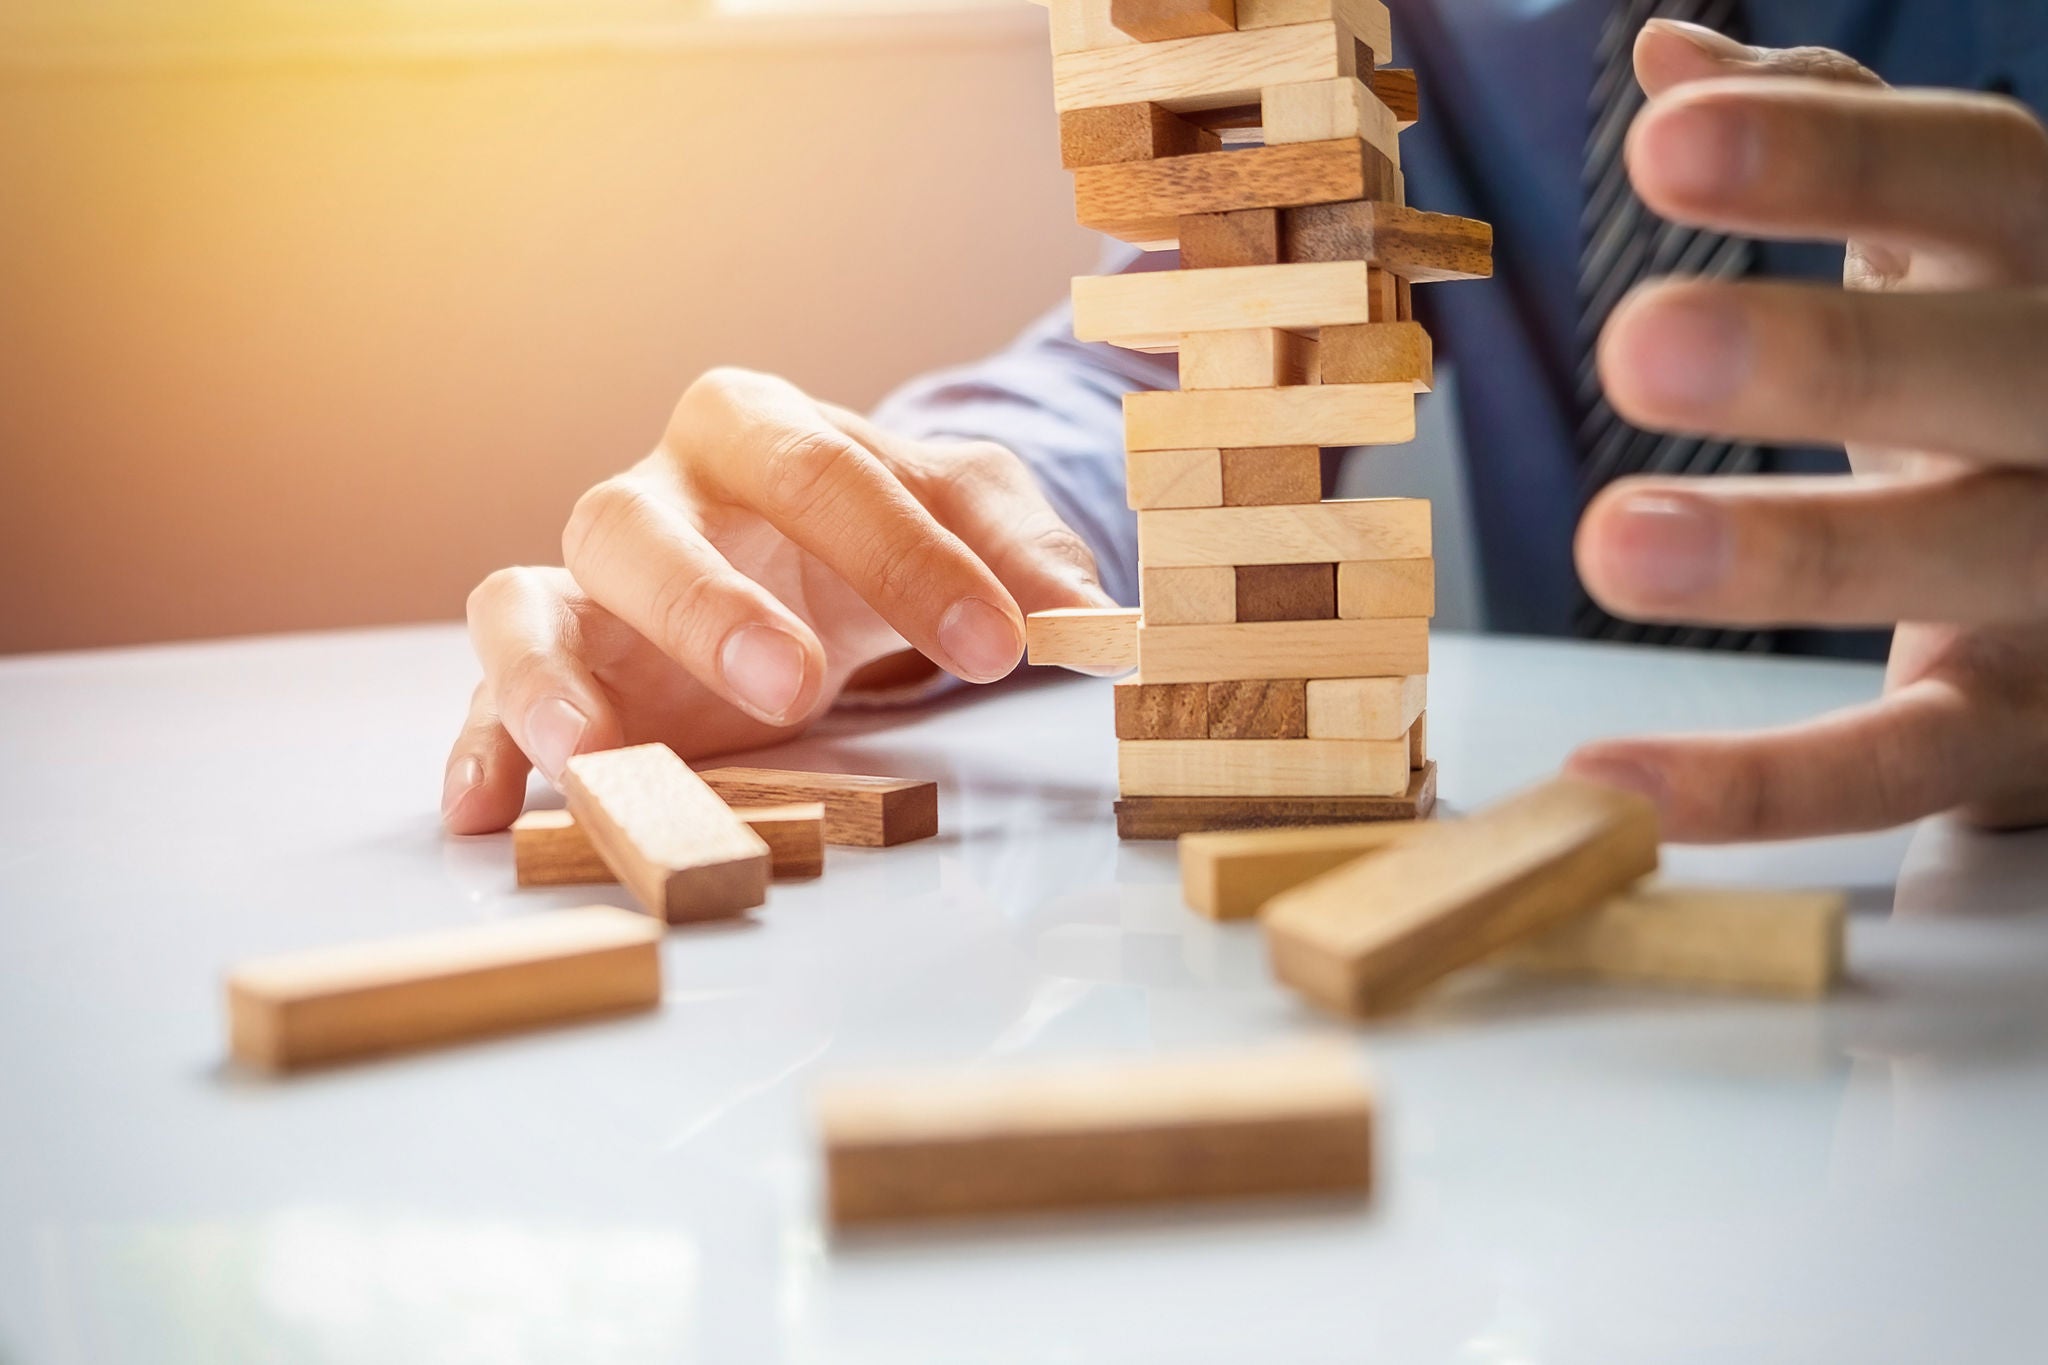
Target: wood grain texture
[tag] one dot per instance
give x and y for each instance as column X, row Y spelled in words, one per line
column 1229, row 874
column 1379, row 353
column 1369, row 937
column 1287, row 592
column 1173, row 478
column 1143, row 201
column 1254, row 709
column 1203, row 73
column 1158, row 21
column 917, row 1146
column 1169, row 817
column 1368, row 21
column 795, row 835
column 1372, row 589
column 1163, row 306
column 1129, row 132
column 1271, row 476
column 861, row 810
column 329, row 1004
column 1213, row 241
column 1316, row 533
column 1365, row 708
column 1162, row 710
column 1283, row 649
column 1234, row 419
column 1262, row 767
column 1422, row 248
column 1083, row 25
column 674, row 844
column 1092, row 639
column 1418, row 742
column 1202, row 595
column 1251, row 358
column 549, row 850
column 1397, row 89
column 1320, row 111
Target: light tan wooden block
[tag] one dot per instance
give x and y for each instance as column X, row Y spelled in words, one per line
column 1092, row 639
column 1203, row 73
column 1162, row 307
column 1283, row 649
column 1129, row 132
column 1272, row 476
column 1321, row 111
column 549, row 850
column 1253, row 358
column 1082, row 25
column 860, row 809
column 1369, row 589
column 1262, row 767
column 912, row 1146
column 1158, row 21
column 1421, row 248
column 1380, row 353
column 1173, row 478
column 1162, row 710
column 1145, row 202
column 1370, row 936
column 1772, row 942
column 1418, row 743
column 795, row 835
column 1264, row 708
column 1366, row 20
column 1316, row 533
column 1365, row 708
column 328, row 1004
column 1233, row 419
column 674, row 844
column 1202, row 595
column 1228, row 875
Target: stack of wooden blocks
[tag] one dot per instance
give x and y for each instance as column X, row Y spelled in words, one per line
column 1282, row 643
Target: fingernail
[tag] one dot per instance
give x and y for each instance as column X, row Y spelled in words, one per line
column 765, row 668
column 980, row 641
column 1690, row 352
column 1628, row 775
column 464, row 776
column 553, row 730
column 1709, row 41
column 1704, row 151
column 1667, row 546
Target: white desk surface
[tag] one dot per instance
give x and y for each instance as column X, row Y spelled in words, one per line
column 1570, row 1173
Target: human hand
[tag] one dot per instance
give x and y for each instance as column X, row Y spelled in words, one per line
column 1931, row 366
column 720, row 594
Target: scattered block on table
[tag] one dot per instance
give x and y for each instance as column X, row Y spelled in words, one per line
column 1307, row 415
column 1272, row 476
column 1147, row 1131
column 795, row 835
column 1287, row 592
column 1173, row 478
column 865, row 811
column 1129, row 132
column 1418, row 741
column 1250, row 358
column 1283, row 649
column 1158, row 21
column 1162, row 710
column 1365, row 708
column 1323, row 111
column 674, row 844
column 549, row 850
column 329, row 1004
column 1369, row 937
column 1094, row 639
column 1262, row 767
column 1776, row 942
column 1379, row 353
column 1397, row 89
column 1143, row 201
column 1162, row 307
column 1422, row 248
column 1081, row 25
column 1255, row 709
column 1366, row 20
column 1211, row 72
column 1169, row 817
column 1226, row 240
column 1229, row 874
column 1317, row 533
column 1201, row 595
column 1368, row 589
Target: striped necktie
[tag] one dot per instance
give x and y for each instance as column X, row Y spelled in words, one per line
column 1624, row 245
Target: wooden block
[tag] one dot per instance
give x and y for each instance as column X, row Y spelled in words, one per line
column 1366, row 20
column 1315, row 533
column 1158, row 21
column 1253, row 358
column 1418, row 743
column 1092, row 639
column 1173, row 478
column 1262, row 767
column 1320, row 111
column 1233, row 419
column 1783, row 942
column 1272, row 476
column 1370, row 589
column 1398, row 91
column 674, row 844
column 1169, row 817
column 1202, row 595
column 1283, row 649
column 1365, row 708
column 1229, row 874
column 1129, row 132
column 1224, row 240
column 1210, row 72
column 1370, row 936
column 1144, row 201
column 1253, row 709
column 1386, row 303
column 549, row 850
column 1379, row 353
column 1422, row 248
column 1082, row 25
column 327, row 1004
column 868, row 812
column 1162, row 710
column 916, row 1146
column 1162, row 307
column 795, row 835
column 1287, row 592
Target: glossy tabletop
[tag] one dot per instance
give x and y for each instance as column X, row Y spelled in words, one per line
column 1569, row 1172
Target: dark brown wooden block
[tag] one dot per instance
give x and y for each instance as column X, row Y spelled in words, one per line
column 1259, row 710
column 1270, row 476
column 1168, row 710
column 1415, row 246
column 1169, row 817
column 1397, row 89
column 1246, row 237
column 1287, row 592
column 1159, row 21
column 1144, row 201
column 1129, row 132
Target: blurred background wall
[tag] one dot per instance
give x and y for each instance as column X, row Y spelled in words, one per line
column 313, row 323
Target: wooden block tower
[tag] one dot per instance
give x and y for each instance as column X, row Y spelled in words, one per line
column 1282, row 643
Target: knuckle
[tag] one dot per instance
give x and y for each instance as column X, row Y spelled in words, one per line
column 2017, row 143
column 1844, row 378
column 1061, row 542
column 801, row 472
column 680, row 608
column 599, row 515
column 894, row 572
column 1820, row 63
column 489, row 597
column 1814, row 556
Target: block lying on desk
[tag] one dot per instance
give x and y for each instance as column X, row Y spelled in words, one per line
column 1169, row 817
column 1229, row 874
column 1365, row 708
column 1283, row 649
column 1158, row 21
column 1370, row 589
column 1269, row 476
column 1163, row 306
column 1094, row 639
column 1323, row 111
column 1318, row 533
column 795, row 835
column 1144, row 201
column 1013, row 1140
column 1173, row 478
column 1251, row 358
column 328, row 1004
column 865, row 811
column 1162, row 710
column 1129, row 132
column 1308, row 415
column 1286, row 592
column 1262, row 767
column 1203, row 73
column 1369, row 937
column 672, row 842
column 1421, row 248
column 548, row 849
column 1379, row 353
column 1199, row 595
